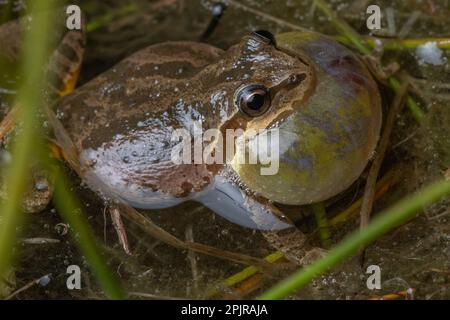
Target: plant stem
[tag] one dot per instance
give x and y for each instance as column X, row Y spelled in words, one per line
column 416, row 111
column 386, row 221
column 34, row 50
column 322, row 224
column 343, row 27
column 242, row 275
column 69, row 208
column 400, row 44
column 103, row 20
column 356, row 39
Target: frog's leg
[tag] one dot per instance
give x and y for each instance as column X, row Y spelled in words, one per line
column 65, row 63
column 232, row 203
column 62, row 69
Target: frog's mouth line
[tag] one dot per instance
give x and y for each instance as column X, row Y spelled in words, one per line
column 286, row 84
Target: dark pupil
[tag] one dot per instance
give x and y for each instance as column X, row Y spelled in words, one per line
column 256, row 101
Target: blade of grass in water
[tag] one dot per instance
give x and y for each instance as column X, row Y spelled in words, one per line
column 101, row 21
column 391, row 218
column 24, row 149
column 322, row 224
column 68, row 207
column 400, row 44
column 34, row 53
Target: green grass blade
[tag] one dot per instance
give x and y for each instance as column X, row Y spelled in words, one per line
column 34, row 56
column 68, row 207
column 391, row 218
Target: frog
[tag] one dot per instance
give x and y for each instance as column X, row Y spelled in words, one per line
column 317, row 93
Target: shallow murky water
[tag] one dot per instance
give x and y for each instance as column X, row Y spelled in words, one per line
column 416, row 255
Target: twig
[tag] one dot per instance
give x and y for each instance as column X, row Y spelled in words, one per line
column 192, row 257
column 383, row 185
column 103, row 20
column 418, row 92
column 362, row 46
column 416, row 111
column 120, row 229
column 247, row 286
column 391, row 26
column 369, row 191
column 389, row 44
column 104, row 224
column 343, row 27
column 153, row 296
column 242, row 275
column 407, row 294
column 151, row 228
column 27, row 286
column 266, row 16
column 406, row 29
column 39, row 241
column 398, row 144
column 427, row 82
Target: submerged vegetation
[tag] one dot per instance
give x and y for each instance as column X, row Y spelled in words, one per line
column 410, row 176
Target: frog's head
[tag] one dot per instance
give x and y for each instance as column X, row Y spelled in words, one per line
column 320, row 107
column 262, row 82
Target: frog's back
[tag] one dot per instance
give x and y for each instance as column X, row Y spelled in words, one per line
column 121, row 123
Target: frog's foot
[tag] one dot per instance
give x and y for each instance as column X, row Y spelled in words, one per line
column 65, row 63
column 228, row 200
column 38, row 194
column 292, row 243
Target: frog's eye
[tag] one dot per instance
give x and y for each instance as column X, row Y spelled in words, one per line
column 253, row 100
column 265, row 36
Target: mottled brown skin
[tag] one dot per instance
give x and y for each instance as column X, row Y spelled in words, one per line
column 122, row 121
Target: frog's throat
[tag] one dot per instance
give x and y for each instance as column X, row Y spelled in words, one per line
column 229, row 201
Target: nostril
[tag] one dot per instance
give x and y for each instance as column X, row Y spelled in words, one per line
column 296, row 78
